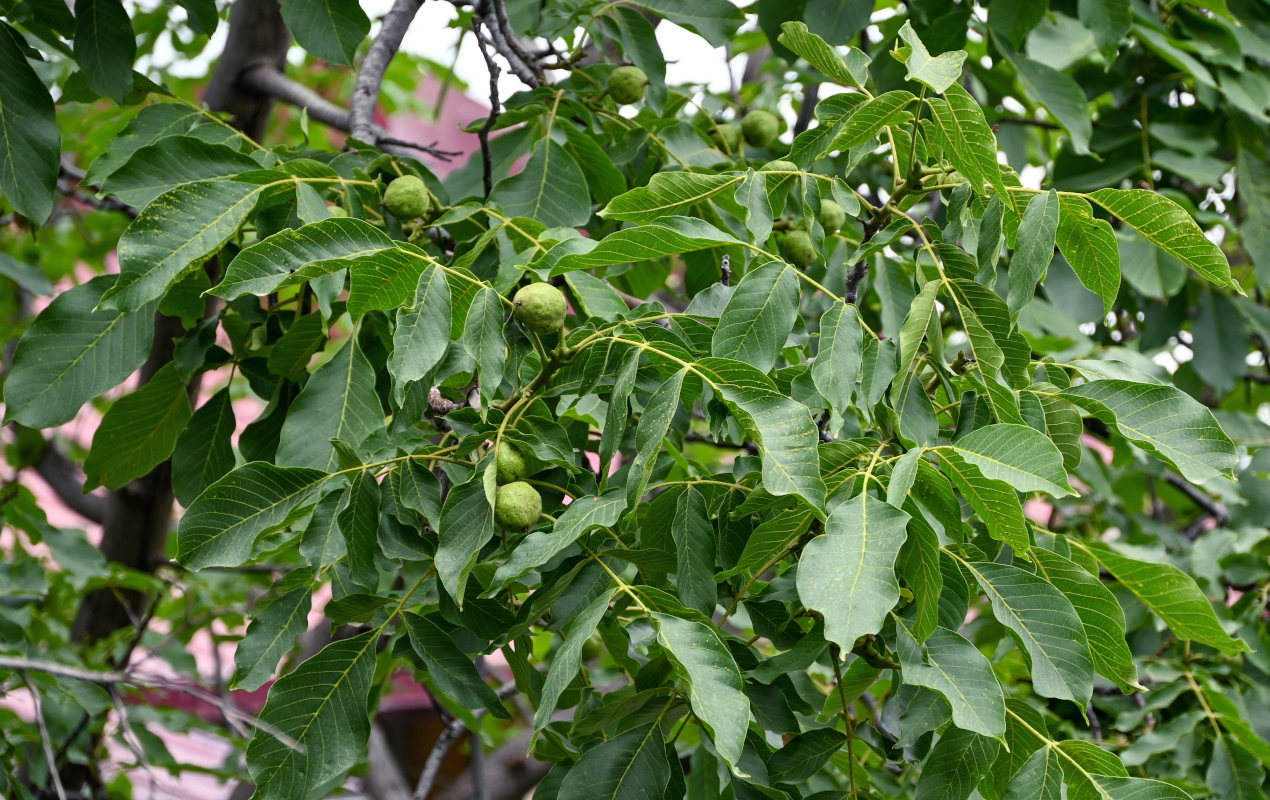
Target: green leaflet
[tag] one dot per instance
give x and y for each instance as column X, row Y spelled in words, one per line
column 938, row 72
column 1099, row 613
column 179, row 228
column 30, row 144
column 714, row 682
column 267, row 264
column 139, row 431
column 948, row 664
column 1164, row 223
column 1045, row 624
column 1162, row 420
column 631, row 766
column 551, row 189
column 221, row 526
column 848, row 573
column 758, row 317
column 171, row 161
column 273, row 631
column 850, row 72
column 338, row 402
column 996, row 503
column 321, row 707
column 568, row 658
column 1036, row 239
column 1018, row 455
column 451, row 670
column 329, row 29
column 869, row 118
column 1089, row 245
column 1173, row 595
column 666, row 194
column 73, row 352
column 666, row 236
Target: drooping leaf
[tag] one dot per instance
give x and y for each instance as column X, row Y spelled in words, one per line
column 948, row 664
column 714, row 682
column 467, row 524
column 837, row 363
column 30, row 144
column 452, row 671
column 1045, row 624
column 1099, row 613
column 996, row 503
column 222, row 524
column 1164, row 421
column 1040, row 778
column 938, row 72
column 630, row 766
column 422, row 334
column 139, row 431
column 71, row 353
column 272, row 632
column 758, row 316
column 712, row 20
column 169, row 162
column 321, row 708
column 1018, row 455
column 848, row 572
column 328, row 29
column 1036, row 239
column 338, row 402
column 567, row 658
column 1173, row 595
column 968, row 141
column 804, row 755
column 204, row 452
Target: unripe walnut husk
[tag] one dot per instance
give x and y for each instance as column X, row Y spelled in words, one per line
column 509, row 463
column 726, row 137
column 517, row 505
column 541, row 308
column 832, row 216
column 336, row 211
column 797, row 247
column 407, row 198
column 627, row 85
column 760, row 127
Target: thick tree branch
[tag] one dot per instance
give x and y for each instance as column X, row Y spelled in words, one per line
column 63, row 478
column 452, row 733
column 361, row 113
column 269, row 81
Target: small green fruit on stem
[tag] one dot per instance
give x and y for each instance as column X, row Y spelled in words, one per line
column 797, row 247
column 407, row 198
column 509, row 463
column 517, row 505
column 832, row 216
column 627, row 85
column 541, row 308
column 760, row 127
column 726, row 137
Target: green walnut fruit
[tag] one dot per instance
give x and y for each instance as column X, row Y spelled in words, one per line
column 627, row 85
column 336, row 211
column 509, row 463
column 796, row 246
column 831, row 216
column 517, row 505
column 726, row 137
column 541, row 308
column 593, row 647
column 407, row 198
column 760, row 127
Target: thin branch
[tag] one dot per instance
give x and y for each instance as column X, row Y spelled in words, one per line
column 370, row 76
column 502, row 42
column 60, row 474
column 44, row 736
column 494, row 107
column 499, row 10
column 807, row 111
column 854, row 277
column 1035, row 123
column 1214, row 508
column 267, row 80
column 445, row 741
